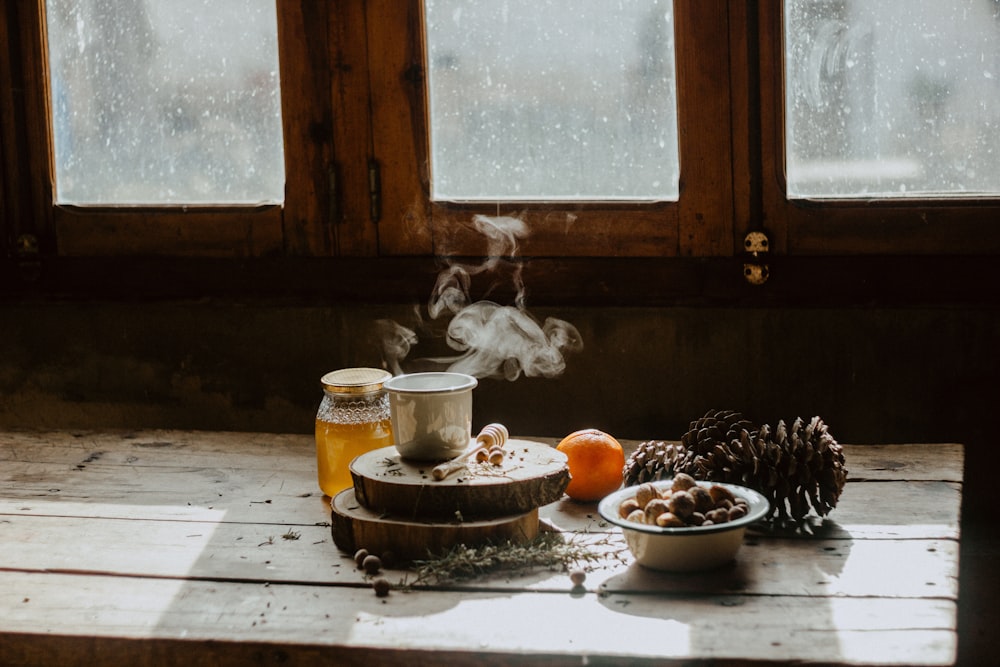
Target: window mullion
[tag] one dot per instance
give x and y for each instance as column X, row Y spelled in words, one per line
column 305, row 91
column 396, row 75
column 704, row 100
column 26, row 147
column 356, row 229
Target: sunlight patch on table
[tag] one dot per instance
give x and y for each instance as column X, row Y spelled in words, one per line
column 163, row 548
column 556, row 622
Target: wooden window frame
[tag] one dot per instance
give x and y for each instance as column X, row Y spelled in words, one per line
column 700, row 223
column 815, row 227
column 353, row 99
column 355, row 107
column 302, row 226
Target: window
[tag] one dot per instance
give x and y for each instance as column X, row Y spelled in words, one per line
column 165, row 103
column 529, row 102
column 892, row 99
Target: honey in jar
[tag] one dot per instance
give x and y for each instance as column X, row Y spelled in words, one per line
column 352, row 419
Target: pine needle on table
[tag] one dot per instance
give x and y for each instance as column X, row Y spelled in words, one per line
column 548, row 550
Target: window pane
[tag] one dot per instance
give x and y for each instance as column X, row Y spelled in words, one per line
column 165, row 102
column 552, row 100
column 892, row 98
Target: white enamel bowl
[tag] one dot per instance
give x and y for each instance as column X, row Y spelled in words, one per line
column 684, row 549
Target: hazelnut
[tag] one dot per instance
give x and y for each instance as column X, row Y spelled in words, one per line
column 371, row 564
column 578, row 577
column 696, row 519
column 655, row 508
column 668, row 520
column 681, row 503
column 718, row 515
column 381, row 586
column 702, row 499
column 645, row 493
column 359, row 556
column 637, row 515
column 720, row 493
column 627, row 507
column 737, row 511
column 683, row 482
column 482, row 455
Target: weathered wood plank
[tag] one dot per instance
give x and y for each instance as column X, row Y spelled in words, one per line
column 161, row 447
column 223, row 551
column 916, row 462
column 263, row 494
column 869, row 510
column 85, row 619
column 908, row 462
column 271, row 478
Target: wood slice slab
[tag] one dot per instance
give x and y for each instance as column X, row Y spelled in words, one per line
column 532, row 474
column 355, row 526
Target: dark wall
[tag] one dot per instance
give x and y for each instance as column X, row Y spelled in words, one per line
column 873, row 374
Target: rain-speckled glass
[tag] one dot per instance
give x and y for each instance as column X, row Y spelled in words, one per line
column 165, row 103
column 892, row 98
column 552, row 100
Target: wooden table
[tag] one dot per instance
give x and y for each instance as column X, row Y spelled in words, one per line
column 196, row 548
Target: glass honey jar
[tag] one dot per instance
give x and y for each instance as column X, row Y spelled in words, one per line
column 352, row 419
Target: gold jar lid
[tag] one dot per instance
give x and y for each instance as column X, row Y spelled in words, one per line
column 355, row 380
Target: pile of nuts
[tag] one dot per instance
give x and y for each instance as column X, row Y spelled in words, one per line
column 684, row 504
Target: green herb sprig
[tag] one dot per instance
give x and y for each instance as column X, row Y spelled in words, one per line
column 549, row 550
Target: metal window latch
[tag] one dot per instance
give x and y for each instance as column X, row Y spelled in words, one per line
column 756, row 247
column 27, row 246
column 29, row 262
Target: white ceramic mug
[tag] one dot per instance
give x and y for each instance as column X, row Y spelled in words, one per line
column 431, row 414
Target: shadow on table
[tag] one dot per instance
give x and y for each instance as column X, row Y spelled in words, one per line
column 783, row 579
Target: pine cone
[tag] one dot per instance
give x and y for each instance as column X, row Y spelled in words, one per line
column 651, row 461
column 717, row 426
column 655, row 459
column 795, row 468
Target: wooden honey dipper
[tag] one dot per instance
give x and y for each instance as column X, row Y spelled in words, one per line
column 490, row 440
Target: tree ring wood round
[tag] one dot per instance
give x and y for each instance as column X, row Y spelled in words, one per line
column 355, row 527
column 532, row 474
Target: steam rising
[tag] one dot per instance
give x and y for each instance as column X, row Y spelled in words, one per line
column 491, row 340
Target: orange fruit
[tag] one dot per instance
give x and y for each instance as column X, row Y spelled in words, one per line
column 595, row 461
